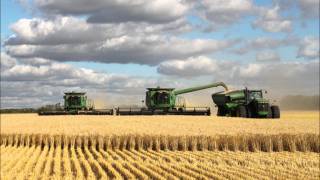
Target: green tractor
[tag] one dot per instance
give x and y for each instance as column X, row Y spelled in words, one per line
column 162, row 101
column 244, row 103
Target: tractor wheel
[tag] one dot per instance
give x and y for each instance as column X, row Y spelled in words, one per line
column 221, row 111
column 249, row 113
column 241, row 112
column 275, row 112
column 270, row 113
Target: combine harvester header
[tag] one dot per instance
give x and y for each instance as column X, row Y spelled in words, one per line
column 77, row 103
column 165, row 101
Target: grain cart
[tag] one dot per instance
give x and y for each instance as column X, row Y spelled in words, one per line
column 77, row 103
column 244, row 103
column 165, row 101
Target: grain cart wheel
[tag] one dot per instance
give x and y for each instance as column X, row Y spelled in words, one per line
column 270, row 113
column 275, row 112
column 249, row 112
column 241, row 112
column 221, row 111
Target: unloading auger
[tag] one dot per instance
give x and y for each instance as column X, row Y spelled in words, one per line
column 165, row 101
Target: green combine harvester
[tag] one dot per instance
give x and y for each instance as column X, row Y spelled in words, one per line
column 77, row 103
column 165, row 101
column 244, row 103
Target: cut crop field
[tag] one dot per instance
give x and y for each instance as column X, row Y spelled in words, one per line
column 159, row 147
column 36, row 162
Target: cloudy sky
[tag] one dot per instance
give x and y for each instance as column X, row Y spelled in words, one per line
column 114, row 49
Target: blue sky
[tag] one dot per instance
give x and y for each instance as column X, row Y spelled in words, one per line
column 12, row 11
column 234, row 41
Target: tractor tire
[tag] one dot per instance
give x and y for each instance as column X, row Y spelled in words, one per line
column 270, row 113
column 241, row 112
column 249, row 113
column 221, row 111
column 275, row 112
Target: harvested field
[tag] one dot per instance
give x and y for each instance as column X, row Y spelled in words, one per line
column 24, row 162
column 241, row 142
column 159, row 147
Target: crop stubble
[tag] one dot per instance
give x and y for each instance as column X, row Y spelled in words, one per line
column 77, row 147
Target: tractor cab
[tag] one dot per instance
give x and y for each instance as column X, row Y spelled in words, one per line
column 159, row 98
column 75, row 101
column 255, row 94
column 256, row 104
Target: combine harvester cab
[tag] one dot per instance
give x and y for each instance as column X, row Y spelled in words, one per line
column 77, row 103
column 245, row 103
column 165, row 101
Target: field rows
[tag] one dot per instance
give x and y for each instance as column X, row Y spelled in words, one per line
column 240, row 142
column 36, row 162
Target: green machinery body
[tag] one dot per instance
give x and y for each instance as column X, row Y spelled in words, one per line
column 245, row 103
column 75, row 101
column 166, row 98
column 167, row 101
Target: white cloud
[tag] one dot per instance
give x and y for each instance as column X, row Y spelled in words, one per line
column 71, row 30
column 267, row 56
column 23, row 81
column 61, row 30
column 193, row 66
column 111, row 11
column 309, row 48
column 309, row 8
column 282, row 77
column 150, row 50
column 7, row 61
column 272, row 22
column 264, row 42
column 224, row 12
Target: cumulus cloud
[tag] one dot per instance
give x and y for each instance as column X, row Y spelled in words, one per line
column 191, row 67
column 21, row 81
column 309, row 48
column 224, row 12
column 262, row 43
column 61, row 30
column 71, row 30
column 281, row 77
column 110, row 11
column 271, row 21
column 149, row 50
column 267, row 56
column 7, row 61
column 309, row 8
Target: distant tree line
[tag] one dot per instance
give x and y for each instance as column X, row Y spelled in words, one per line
column 49, row 107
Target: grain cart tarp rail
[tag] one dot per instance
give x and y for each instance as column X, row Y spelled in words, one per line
column 165, row 101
